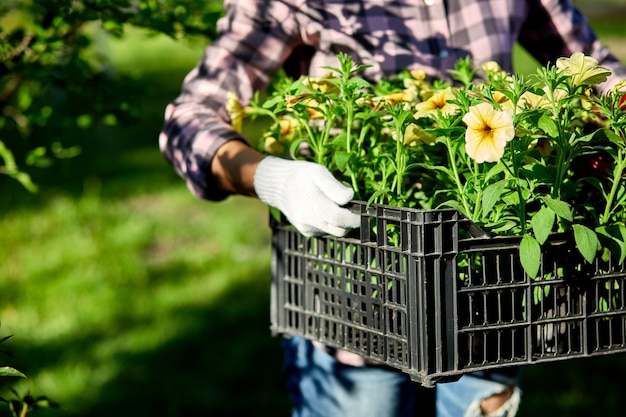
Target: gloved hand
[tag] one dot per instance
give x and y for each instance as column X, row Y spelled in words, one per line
column 307, row 194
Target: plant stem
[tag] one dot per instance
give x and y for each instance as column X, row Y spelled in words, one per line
column 562, row 164
column 479, row 192
column 617, row 177
column 319, row 152
column 349, row 116
column 515, row 175
column 456, row 178
column 349, row 120
column 259, row 111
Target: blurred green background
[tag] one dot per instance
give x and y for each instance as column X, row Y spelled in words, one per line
column 127, row 296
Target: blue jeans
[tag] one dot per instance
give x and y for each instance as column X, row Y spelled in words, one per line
column 322, row 387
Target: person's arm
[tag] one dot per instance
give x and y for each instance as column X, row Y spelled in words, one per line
column 250, row 47
column 555, row 28
column 233, row 168
column 215, row 160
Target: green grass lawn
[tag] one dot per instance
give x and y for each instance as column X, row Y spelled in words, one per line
column 132, row 304
column 127, row 296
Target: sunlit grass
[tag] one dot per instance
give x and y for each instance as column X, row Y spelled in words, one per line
column 141, row 52
column 125, row 286
column 111, row 274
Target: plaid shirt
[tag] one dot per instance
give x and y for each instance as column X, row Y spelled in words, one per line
column 257, row 37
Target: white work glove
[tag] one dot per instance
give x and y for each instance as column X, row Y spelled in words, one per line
column 307, row 194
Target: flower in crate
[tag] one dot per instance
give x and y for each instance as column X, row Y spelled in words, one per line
column 235, row 110
column 581, row 69
column 439, row 101
column 414, row 135
column 488, row 132
column 530, row 100
column 271, row 145
column 278, row 138
column 503, row 102
column 507, row 151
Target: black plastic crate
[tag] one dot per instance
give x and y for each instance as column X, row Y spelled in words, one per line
column 424, row 291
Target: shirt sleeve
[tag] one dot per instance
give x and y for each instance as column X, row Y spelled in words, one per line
column 555, row 28
column 250, row 47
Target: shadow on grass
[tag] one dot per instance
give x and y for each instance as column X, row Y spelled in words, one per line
column 591, row 387
column 224, row 362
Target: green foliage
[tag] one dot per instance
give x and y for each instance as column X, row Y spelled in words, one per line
column 522, row 156
column 7, row 371
column 19, row 406
column 53, row 77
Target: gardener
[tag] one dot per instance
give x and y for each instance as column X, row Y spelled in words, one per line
column 256, row 39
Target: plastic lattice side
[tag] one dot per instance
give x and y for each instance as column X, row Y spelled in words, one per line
column 426, row 292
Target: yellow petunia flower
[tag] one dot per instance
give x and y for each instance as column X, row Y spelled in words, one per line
column 558, row 95
column 414, row 135
column 322, row 84
column 289, row 128
column 531, row 100
column 418, row 74
column 438, row 102
column 620, row 86
column 491, row 67
column 235, row 110
column 312, row 105
column 408, row 95
column 582, row 69
column 504, row 102
column 272, row 146
column 417, row 80
column 488, row 132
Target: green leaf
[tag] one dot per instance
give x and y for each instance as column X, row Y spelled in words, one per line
column 548, row 125
column 493, row 171
column 273, row 101
column 560, row 208
column 492, row 194
column 375, row 195
column 337, row 111
column 8, row 371
column 614, row 239
column 502, row 226
column 43, row 402
column 341, row 159
column 530, row 255
column 537, row 295
column 536, row 172
column 452, row 204
column 610, row 135
column 276, row 214
column 542, row 224
column 546, row 290
column 358, row 83
column 294, row 148
column 586, row 241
